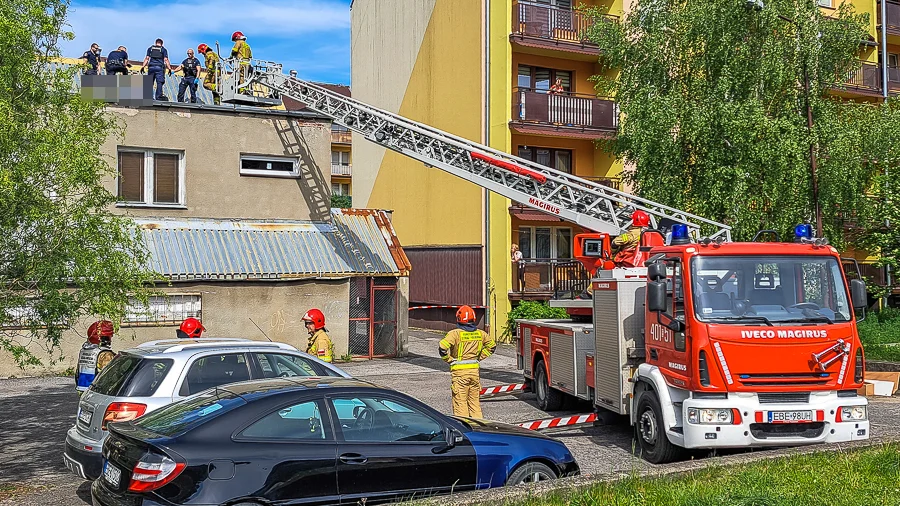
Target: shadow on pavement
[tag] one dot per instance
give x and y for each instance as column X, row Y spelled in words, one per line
column 84, row 492
column 437, row 364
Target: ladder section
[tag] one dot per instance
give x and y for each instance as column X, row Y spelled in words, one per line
column 591, row 205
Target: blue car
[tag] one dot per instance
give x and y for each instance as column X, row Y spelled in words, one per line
column 313, row 441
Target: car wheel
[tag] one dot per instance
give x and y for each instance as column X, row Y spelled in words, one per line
column 651, row 433
column 548, row 399
column 531, row 472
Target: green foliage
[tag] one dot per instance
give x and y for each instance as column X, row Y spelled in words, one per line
column 878, row 331
column 347, row 357
column 530, row 310
column 341, row 201
column 714, row 109
column 56, row 230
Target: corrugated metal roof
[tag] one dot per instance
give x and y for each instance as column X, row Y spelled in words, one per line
column 209, row 249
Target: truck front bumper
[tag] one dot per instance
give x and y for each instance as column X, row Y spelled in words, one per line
column 758, row 423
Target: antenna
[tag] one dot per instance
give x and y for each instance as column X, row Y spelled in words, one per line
column 261, row 330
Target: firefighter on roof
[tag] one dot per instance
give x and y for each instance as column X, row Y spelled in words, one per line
column 318, row 344
column 211, row 79
column 95, row 354
column 242, row 52
column 625, row 245
column 190, row 328
column 463, row 349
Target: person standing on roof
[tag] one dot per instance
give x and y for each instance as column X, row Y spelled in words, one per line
column 464, row 348
column 319, row 344
column 191, row 69
column 92, row 58
column 98, row 343
column 241, row 51
column 211, row 79
column 625, row 245
column 190, row 328
column 117, row 62
column 157, row 61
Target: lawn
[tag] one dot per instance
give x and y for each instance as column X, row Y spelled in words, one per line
column 868, row 476
column 878, row 331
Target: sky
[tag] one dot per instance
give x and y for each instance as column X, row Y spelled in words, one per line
column 309, row 36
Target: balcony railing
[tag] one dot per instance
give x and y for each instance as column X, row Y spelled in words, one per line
column 893, row 15
column 338, row 169
column 564, row 109
column 894, row 78
column 867, row 76
column 552, row 23
column 341, row 137
column 559, row 278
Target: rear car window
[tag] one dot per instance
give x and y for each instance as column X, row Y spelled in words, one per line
column 131, row 376
column 182, row 416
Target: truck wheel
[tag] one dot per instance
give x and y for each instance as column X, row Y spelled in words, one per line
column 548, row 399
column 650, row 432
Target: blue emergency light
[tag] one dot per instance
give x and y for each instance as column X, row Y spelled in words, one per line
column 680, row 234
column 802, row 232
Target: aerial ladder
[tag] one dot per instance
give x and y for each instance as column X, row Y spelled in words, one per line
column 574, row 199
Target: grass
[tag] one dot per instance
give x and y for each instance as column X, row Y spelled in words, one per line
column 878, row 331
column 13, row 490
column 868, row 476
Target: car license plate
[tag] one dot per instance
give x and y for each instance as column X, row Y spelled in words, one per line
column 111, row 474
column 85, row 416
column 790, row 416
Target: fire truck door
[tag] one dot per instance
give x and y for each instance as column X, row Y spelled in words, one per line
column 668, row 333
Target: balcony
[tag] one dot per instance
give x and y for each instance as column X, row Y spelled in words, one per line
column 545, row 27
column 572, row 115
column 894, row 79
column 893, row 16
column 549, row 278
column 340, row 170
column 340, row 136
column 866, row 80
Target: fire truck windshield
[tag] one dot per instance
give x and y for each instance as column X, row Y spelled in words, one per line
column 765, row 290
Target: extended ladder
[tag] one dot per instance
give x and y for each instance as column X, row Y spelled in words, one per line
column 591, row 205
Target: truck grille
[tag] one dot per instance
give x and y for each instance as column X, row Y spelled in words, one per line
column 786, row 430
column 783, row 397
column 784, row 379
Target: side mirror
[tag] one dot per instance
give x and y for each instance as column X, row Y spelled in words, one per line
column 858, row 293
column 451, row 437
column 656, row 296
column 656, row 271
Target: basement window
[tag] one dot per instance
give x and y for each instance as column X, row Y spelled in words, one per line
column 269, row 166
column 170, row 309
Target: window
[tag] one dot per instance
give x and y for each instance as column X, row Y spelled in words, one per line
column 215, row 370
column 826, row 3
column 340, row 158
column 893, row 60
column 340, row 188
column 562, row 4
column 180, row 417
column 559, row 159
column 541, row 79
column 545, row 242
column 300, row 422
column 278, row 364
column 151, row 178
column 24, row 316
column 374, row 419
column 269, row 166
column 171, row 309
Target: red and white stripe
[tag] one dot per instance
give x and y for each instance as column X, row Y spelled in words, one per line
column 559, row 422
column 436, row 307
column 503, row 389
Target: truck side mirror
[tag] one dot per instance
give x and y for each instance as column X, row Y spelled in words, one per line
column 858, row 293
column 656, row 296
column 656, row 271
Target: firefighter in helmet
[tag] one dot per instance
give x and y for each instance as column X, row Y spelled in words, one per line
column 625, row 245
column 190, row 328
column 95, row 354
column 211, row 79
column 242, row 52
column 318, row 344
column 464, row 348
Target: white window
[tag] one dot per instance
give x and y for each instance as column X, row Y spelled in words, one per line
column 544, row 243
column 826, row 3
column 23, row 317
column 170, row 309
column 340, row 189
column 273, row 166
column 151, row 177
column 340, row 158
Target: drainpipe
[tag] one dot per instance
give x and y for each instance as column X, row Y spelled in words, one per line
column 487, row 141
column 884, row 89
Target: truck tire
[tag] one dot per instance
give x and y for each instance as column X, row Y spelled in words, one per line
column 548, row 399
column 650, row 432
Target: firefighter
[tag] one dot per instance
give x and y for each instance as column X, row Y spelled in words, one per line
column 463, row 349
column 625, row 245
column 242, row 52
column 190, row 328
column 318, row 344
column 211, row 79
column 96, row 347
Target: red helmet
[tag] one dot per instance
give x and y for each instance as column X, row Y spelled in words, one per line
column 316, row 317
column 202, row 48
column 237, row 35
column 100, row 329
column 191, row 327
column 465, row 314
column 640, row 219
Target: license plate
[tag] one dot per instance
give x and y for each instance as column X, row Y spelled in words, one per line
column 790, row 416
column 85, row 416
column 111, row 474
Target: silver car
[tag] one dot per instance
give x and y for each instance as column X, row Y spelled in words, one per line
column 157, row 373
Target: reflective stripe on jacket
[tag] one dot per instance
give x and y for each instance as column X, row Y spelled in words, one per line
column 464, row 350
column 319, row 345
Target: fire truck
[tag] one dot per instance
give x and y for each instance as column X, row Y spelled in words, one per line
column 708, row 344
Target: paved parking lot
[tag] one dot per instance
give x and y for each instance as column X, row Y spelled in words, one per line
column 36, row 413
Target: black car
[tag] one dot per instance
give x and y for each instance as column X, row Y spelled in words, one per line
column 313, row 441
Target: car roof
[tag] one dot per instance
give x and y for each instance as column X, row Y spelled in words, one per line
column 167, row 347
column 268, row 387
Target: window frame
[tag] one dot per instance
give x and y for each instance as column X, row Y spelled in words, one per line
column 149, row 173
column 320, row 370
column 183, row 380
column 324, row 414
column 415, row 405
column 554, row 237
column 340, row 188
column 293, row 174
column 532, row 84
column 554, row 153
column 175, row 321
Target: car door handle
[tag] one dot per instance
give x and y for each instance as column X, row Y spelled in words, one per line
column 353, row 458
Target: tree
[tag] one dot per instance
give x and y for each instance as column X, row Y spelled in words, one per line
column 63, row 255
column 725, row 109
column 341, row 201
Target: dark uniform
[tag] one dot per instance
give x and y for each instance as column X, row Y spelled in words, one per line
column 156, row 68
column 191, row 69
column 93, row 59
column 117, row 63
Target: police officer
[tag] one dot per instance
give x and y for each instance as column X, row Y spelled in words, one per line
column 242, row 52
column 190, row 328
column 92, row 58
column 98, row 342
column 211, row 79
column 191, row 69
column 157, row 60
column 117, row 62
column 464, row 348
column 318, row 344
column 625, row 245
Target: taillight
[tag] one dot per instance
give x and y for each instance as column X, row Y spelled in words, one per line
column 860, row 366
column 122, row 412
column 703, row 369
column 154, row 471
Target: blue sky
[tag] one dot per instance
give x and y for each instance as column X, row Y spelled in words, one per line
column 310, row 36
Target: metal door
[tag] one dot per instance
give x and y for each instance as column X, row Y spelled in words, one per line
column 373, row 317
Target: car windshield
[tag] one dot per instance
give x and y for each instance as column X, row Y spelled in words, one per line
column 131, row 376
column 769, row 290
column 182, row 416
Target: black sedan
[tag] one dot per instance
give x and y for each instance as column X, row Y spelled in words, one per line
column 313, row 441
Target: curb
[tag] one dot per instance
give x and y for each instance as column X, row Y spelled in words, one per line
column 578, row 483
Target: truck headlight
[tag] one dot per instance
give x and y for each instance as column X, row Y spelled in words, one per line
column 851, row 414
column 711, row 416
